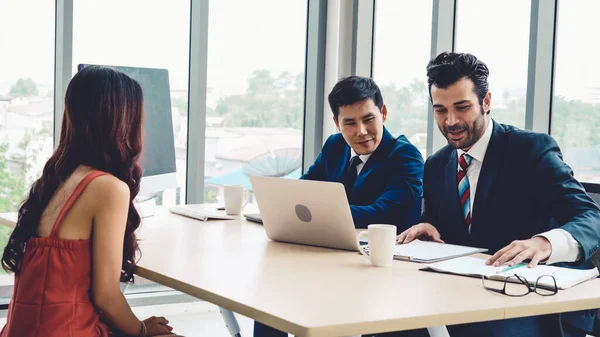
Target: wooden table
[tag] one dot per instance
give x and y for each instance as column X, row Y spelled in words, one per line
column 312, row 292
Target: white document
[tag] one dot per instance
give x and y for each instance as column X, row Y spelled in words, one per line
column 429, row 251
column 472, row 266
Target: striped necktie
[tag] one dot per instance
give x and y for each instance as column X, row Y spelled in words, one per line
column 464, row 188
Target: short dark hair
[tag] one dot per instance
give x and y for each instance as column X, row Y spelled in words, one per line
column 354, row 89
column 448, row 68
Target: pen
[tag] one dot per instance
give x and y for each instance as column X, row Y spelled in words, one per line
column 510, row 268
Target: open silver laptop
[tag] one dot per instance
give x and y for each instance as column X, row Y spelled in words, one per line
column 307, row 212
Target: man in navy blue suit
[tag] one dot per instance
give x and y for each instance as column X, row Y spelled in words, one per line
column 504, row 189
column 382, row 174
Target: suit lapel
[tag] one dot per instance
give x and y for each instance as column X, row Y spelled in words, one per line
column 342, row 162
column 489, row 170
column 451, row 188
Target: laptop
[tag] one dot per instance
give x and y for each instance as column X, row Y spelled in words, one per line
column 305, row 212
column 254, row 217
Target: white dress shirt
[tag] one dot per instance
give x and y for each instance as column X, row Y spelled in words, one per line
column 363, row 158
column 564, row 247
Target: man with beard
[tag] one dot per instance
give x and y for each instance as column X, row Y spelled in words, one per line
column 504, row 189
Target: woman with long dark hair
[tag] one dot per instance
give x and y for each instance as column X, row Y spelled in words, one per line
column 75, row 235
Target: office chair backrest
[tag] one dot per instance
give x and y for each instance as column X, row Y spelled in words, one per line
column 593, row 190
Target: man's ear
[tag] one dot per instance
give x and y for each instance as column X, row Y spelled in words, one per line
column 337, row 124
column 487, row 102
column 384, row 113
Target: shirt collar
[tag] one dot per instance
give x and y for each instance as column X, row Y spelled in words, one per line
column 477, row 151
column 363, row 157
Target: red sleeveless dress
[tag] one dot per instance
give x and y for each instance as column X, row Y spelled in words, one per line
column 51, row 296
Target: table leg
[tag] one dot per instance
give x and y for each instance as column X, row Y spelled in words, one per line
column 438, row 331
column 230, row 322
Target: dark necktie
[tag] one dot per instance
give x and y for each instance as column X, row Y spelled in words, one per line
column 350, row 175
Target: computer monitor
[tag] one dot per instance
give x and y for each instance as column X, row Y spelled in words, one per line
column 159, row 171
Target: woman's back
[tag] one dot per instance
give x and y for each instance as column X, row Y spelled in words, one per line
column 51, row 296
column 60, row 266
column 76, row 225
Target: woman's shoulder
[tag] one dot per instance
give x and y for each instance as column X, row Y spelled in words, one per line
column 108, row 187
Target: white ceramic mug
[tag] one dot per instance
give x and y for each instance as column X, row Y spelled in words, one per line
column 382, row 239
column 236, row 197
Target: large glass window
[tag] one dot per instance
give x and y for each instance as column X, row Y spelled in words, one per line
column 147, row 34
column 575, row 119
column 26, row 102
column 497, row 32
column 255, row 94
column 402, row 50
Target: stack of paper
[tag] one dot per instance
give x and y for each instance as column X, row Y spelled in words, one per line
column 429, row 251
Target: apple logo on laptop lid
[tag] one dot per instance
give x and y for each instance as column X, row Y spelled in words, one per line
column 303, row 213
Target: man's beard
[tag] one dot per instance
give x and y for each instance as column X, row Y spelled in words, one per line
column 472, row 135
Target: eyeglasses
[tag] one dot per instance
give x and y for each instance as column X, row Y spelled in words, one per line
column 517, row 286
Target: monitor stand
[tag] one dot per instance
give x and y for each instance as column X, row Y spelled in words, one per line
column 146, row 208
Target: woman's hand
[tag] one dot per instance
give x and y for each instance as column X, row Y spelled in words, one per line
column 156, row 326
